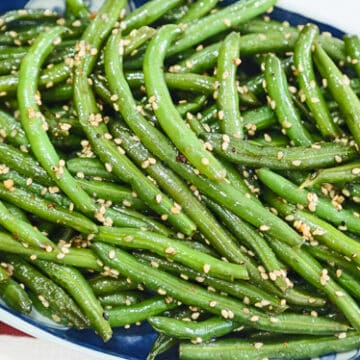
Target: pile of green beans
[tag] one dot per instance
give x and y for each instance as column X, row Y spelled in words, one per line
column 188, row 164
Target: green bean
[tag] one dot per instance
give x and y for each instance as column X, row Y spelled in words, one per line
column 89, row 167
column 58, row 94
column 216, row 304
column 9, row 66
column 49, row 77
column 160, row 345
column 27, row 14
column 247, row 235
column 165, row 111
column 83, row 258
column 34, row 122
column 241, row 290
column 104, row 285
column 11, row 130
column 205, row 330
column 197, row 10
column 13, row 294
column 17, row 212
column 192, row 105
column 227, row 92
column 120, row 299
column 126, row 315
column 204, row 220
column 46, row 290
column 75, row 284
column 322, row 207
column 352, row 47
column 46, row 209
column 164, row 342
column 47, row 311
column 333, row 46
column 131, row 238
column 337, row 175
column 317, row 229
column 236, row 349
column 256, row 119
column 280, row 101
column 189, row 82
column 252, row 44
column 23, row 163
column 148, row 13
column 107, row 149
column 354, row 190
column 339, row 86
column 136, row 38
column 234, row 14
column 24, row 231
column 76, row 8
column 279, row 158
column 305, row 265
column 306, row 77
column 113, row 192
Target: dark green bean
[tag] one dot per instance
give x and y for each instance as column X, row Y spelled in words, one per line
column 241, row 290
column 13, row 294
column 75, row 284
column 76, row 8
column 191, row 294
column 337, row 175
column 279, row 158
column 47, row 291
column 121, row 298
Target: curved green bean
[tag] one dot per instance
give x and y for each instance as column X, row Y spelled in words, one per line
column 165, row 111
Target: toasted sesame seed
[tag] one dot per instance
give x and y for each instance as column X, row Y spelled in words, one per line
column 339, row 293
column 170, row 251
column 213, row 303
column 112, row 254
column 264, row 228
column 161, row 292
column 255, row 318
column 258, row 345
column 296, row 162
column 206, row 268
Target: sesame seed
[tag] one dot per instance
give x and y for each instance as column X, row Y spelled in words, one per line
column 213, row 303
column 206, row 268
column 355, row 171
column 339, row 293
column 112, row 254
column 170, row 251
column 264, row 228
column 161, row 292
column 296, row 162
column 258, row 345
column 205, row 161
column 254, row 318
